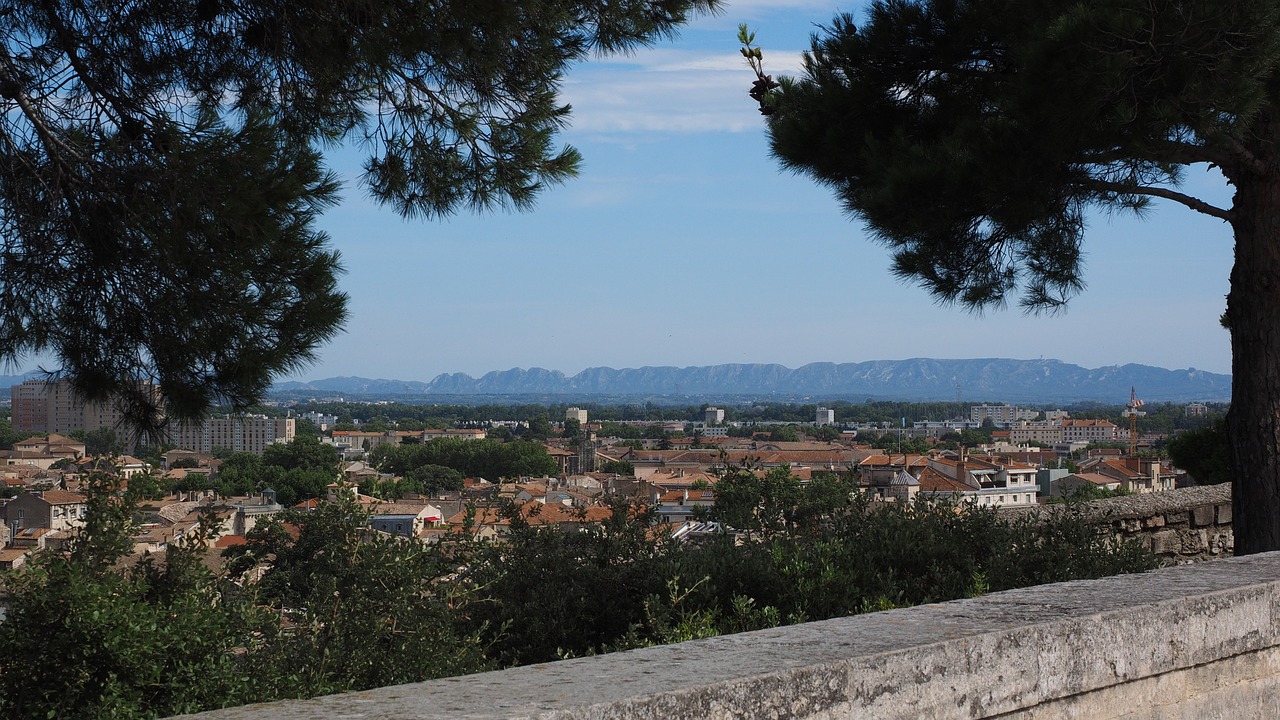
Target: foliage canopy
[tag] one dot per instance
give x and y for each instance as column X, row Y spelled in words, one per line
column 315, row 602
column 488, row 459
column 975, row 136
column 161, row 168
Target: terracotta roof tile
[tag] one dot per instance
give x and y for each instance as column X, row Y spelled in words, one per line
column 1097, row 479
column 933, row 481
column 62, row 497
column 675, row 496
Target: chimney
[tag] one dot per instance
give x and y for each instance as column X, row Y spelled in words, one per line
column 960, row 464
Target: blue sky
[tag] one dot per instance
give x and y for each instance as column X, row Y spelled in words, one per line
column 682, row 243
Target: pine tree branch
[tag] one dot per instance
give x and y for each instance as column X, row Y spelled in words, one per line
column 1185, row 153
column 66, row 41
column 1168, row 152
column 1114, row 189
column 54, row 147
column 1221, row 150
column 1241, row 155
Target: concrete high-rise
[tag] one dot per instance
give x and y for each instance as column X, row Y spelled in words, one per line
column 244, row 433
column 53, row 406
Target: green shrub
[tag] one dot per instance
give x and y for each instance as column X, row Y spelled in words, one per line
column 317, row 603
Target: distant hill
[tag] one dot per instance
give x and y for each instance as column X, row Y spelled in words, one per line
column 919, row 379
column 11, row 380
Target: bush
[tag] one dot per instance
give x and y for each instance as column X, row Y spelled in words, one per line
column 318, row 603
column 86, row 638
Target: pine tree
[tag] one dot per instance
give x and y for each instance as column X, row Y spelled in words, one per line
column 161, row 167
column 973, row 136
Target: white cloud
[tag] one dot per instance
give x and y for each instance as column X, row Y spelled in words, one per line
column 757, row 8
column 766, row 5
column 667, row 59
column 598, row 194
column 666, row 90
column 720, row 62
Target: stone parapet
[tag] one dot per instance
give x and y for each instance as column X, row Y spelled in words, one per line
column 1178, row 526
column 1192, row 641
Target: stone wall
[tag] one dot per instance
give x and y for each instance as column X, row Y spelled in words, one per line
column 1178, row 526
column 1193, row 641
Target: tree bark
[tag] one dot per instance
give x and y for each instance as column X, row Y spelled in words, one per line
column 1253, row 316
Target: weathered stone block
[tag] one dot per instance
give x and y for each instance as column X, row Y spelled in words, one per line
column 1129, row 525
column 1202, row 515
column 1176, row 518
column 1166, row 542
column 1224, row 514
column 1194, row 542
column 1220, row 542
column 1154, row 521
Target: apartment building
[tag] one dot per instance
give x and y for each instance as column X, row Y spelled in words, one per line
column 1002, row 415
column 1089, row 431
column 52, row 406
column 1066, row 431
column 988, row 481
column 322, row 421
column 52, row 509
column 1049, row 433
column 243, row 433
column 711, row 432
column 30, row 410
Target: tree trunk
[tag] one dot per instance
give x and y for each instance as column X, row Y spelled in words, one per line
column 1253, row 315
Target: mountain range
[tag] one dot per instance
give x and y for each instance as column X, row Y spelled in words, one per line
column 918, row 379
